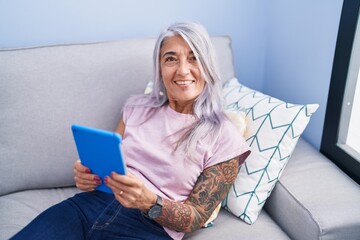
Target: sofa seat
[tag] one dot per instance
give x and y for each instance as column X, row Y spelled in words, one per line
column 228, row 227
column 318, row 198
column 23, row 206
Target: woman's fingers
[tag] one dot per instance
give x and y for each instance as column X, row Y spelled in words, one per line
column 128, row 190
column 81, row 168
column 113, row 184
column 120, row 182
column 85, row 184
column 122, row 193
column 83, row 177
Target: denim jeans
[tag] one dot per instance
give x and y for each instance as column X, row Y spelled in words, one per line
column 92, row 215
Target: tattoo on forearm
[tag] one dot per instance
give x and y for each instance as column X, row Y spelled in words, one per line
column 175, row 215
column 211, row 187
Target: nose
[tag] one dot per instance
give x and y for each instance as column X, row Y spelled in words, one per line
column 183, row 68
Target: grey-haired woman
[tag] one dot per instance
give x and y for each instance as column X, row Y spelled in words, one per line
column 181, row 154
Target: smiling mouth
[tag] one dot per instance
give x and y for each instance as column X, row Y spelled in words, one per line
column 184, row 82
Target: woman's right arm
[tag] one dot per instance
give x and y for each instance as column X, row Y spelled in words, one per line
column 120, row 129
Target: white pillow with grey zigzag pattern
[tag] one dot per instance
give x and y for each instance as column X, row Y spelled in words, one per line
column 273, row 130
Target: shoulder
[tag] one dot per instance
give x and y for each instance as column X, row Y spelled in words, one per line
column 135, row 107
column 229, row 132
column 235, row 121
column 139, row 109
column 229, row 142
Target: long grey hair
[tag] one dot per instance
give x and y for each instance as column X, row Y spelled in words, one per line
column 208, row 106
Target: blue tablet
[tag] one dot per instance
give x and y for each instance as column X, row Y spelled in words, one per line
column 100, row 151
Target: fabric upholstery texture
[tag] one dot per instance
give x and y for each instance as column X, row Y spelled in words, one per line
column 273, row 129
column 22, row 207
column 44, row 90
column 295, row 201
column 228, row 227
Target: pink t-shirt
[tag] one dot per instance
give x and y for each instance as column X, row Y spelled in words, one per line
column 148, row 147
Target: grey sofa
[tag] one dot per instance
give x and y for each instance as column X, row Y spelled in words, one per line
column 44, row 90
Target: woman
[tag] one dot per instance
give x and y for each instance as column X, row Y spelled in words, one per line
column 182, row 155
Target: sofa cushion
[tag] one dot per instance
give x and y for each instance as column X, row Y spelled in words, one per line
column 227, row 226
column 45, row 90
column 273, row 129
column 18, row 209
column 314, row 195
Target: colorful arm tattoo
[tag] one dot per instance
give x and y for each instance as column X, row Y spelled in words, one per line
column 209, row 190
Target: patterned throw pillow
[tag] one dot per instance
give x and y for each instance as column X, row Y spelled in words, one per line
column 273, row 130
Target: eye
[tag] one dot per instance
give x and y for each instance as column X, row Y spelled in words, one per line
column 170, row 59
column 192, row 58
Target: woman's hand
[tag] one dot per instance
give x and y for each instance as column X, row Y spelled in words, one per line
column 84, row 179
column 130, row 191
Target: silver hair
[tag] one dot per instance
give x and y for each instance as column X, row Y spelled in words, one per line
column 208, row 106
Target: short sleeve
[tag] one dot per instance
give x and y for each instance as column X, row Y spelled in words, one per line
column 229, row 144
column 136, row 115
column 126, row 113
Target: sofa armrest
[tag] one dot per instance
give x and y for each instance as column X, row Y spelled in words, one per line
column 314, row 199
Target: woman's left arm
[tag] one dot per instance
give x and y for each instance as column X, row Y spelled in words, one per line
column 210, row 189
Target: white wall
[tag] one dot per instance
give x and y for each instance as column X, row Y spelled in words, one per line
column 283, row 47
column 26, row 23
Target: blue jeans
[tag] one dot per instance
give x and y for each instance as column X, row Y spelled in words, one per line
column 92, row 215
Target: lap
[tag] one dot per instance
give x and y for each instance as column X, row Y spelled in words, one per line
column 125, row 223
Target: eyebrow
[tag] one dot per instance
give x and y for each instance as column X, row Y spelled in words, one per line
column 174, row 53
column 169, row 53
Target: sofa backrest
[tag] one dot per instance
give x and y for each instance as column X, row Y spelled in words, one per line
column 44, row 90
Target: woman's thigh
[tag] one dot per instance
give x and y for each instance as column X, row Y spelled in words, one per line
column 92, row 215
column 117, row 222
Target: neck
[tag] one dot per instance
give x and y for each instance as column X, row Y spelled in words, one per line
column 185, row 107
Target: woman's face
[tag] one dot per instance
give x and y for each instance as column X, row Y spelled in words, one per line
column 180, row 71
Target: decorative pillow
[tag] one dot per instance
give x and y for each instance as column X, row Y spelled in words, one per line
column 149, row 87
column 273, row 129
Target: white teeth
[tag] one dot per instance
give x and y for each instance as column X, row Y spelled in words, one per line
column 183, row 82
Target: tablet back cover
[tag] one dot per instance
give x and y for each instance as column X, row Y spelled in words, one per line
column 100, row 151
